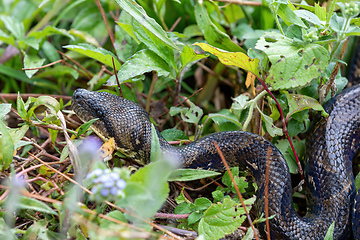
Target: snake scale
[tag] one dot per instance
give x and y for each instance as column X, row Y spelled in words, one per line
column 330, row 147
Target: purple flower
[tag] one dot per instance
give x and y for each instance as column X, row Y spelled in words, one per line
column 120, row 184
column 90, row 145
column 105, row 192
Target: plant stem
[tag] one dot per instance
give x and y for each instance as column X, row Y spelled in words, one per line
column 251, row 109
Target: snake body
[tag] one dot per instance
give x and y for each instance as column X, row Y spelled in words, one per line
column 331, row 145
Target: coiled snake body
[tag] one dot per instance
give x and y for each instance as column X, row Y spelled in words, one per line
column 331, row 145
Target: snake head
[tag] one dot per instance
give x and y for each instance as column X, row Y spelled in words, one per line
column 125, row 121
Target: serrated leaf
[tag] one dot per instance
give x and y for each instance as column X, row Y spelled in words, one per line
column 237, row 59
column 212, row 34
column 292, row 65
column 221, row 219
column 99, row 54
column 184, row 175
column 34, row 204
column 139, row 14
column 194, row 217
column 141, row 62
column 32, row 61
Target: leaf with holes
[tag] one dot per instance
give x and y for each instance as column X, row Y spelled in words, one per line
column 292, row 65
column 222, row 218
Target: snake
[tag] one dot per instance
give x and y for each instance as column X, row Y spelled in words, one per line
column 331, row 145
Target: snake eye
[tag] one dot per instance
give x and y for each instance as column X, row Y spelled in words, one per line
column 99, row 113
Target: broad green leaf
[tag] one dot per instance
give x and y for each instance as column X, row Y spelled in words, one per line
column 32, row 61
column 6, row 147
column 6, row 231
column 309, row 16
column 139, row 14
column 18, row 133
column 284, row 146
column 147, row 189
column 336, row 22
column 224, row 116
column 49, row 31
column 237, row 59
column 129, row 30
column 100, row 54
column 212, row 34
column 183, row 175
column 189, row 56
column 5, row 108
column 51, row 103
column 34, row 204
column 87, row 37
column 292, row 65
column 40, row 230
column 286, row 14
column 155, row 44
column 172, row 134
column 141, row 62
column 14, row 26
column 330, row 232
column 270, row 127
column 190, row 115
column 221, row 219
column 299, row 102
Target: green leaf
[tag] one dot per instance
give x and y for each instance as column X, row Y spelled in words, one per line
column 237, row 59
column 85, row 126
column 18, row 133
column 309, row 16
column 49, row 31
column 189, row 115
column 99, row 54
column 224, row 116
column 147, row 189
column 7, row 146
column 32, row 61
column 5, row 108
column 173, row 134
column 212, row 34
column 299, row 102
column 330, row 232
column 129, row 30
column 139, row 14
column 221, row 219
column 270, row 127
column 286, row 14
column 51, row 103
column 34, row 204
column 184, row 175
column 155, row 44
column 284, row 146
column 189, row 56
column 292, row 65
column 14, row 26
column 155, row 153
column 141, row 62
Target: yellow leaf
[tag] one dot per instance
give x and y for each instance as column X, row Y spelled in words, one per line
column 237, row 59
column 250, row 80
column 106, row 150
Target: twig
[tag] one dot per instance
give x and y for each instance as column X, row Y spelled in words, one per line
column 106, row 24
column 44, row 66
column 236, row 188
column 87, row 72
column 116, row 77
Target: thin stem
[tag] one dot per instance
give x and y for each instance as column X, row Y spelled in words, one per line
column 251, row 109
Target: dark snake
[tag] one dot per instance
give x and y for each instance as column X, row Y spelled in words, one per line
column 330, row 147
